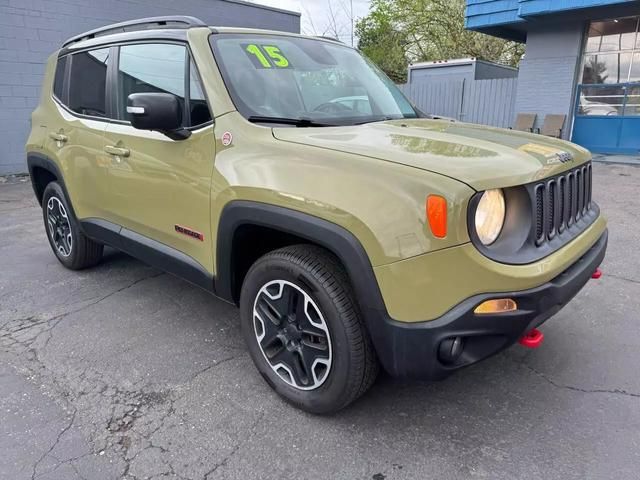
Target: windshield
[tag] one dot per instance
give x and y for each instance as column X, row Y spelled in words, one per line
column 274, row 77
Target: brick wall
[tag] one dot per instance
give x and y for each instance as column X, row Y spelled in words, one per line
column 30, row 30
column 547, row 78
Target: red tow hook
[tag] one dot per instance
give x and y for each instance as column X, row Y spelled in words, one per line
column 532, row 339
column 597, row 274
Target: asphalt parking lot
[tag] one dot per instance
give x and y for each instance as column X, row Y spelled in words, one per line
column 125, row 372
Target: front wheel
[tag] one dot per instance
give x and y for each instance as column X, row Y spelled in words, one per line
column 72, row 248
column 304, row 329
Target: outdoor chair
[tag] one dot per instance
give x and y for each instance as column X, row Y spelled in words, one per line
column 553, row 125
column 525, row 122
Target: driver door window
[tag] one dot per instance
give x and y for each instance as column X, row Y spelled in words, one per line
column 162, row 68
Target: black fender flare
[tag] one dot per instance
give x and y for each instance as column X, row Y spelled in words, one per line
column 38, row 160
column 331, row 236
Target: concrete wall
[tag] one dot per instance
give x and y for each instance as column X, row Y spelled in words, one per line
column 30, row 30
column 547, row 78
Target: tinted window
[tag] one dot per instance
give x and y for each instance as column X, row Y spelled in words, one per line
column 87, row 88
column 198, row 107
column 149, row 68
column 58, row 80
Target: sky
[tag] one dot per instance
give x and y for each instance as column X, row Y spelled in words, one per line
column 318, row 15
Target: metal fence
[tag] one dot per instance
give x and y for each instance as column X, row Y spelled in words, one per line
column 490, row 102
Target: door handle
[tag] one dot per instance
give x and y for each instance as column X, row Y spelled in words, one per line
column 117, row 151
column 58, row 137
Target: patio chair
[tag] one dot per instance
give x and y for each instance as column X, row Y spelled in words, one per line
column 553, row 125
column 525, row 122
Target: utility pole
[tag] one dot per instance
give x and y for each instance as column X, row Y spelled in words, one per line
column 351, row 17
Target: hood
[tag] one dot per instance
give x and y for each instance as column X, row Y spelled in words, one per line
column 482, row 157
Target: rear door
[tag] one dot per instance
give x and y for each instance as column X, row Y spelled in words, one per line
column 158, row 187
column 76, row 136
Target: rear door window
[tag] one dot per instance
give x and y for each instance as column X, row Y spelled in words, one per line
column 88, row 83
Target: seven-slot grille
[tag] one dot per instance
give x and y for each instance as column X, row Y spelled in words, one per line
column 561, row 202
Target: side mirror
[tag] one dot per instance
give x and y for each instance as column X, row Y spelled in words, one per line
column 157, row 111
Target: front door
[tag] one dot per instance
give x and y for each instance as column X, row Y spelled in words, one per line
column 160, row 188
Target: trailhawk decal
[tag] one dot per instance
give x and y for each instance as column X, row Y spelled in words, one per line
column 227, row 138
column 189, row 233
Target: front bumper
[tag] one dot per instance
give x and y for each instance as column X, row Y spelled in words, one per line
column 411, row 349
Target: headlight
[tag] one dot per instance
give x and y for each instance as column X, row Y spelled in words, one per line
column 490, row 216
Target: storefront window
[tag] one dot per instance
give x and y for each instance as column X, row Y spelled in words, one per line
column 612, row 35
column 607, row 68
column 612, row 52
column 633, row 102
column 635, row 68
column 601, row 100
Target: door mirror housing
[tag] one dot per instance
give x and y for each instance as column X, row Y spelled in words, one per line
column 157, row 111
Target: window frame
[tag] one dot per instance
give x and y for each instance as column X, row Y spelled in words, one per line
column 66, row 85
column 112, row 88
column 115, row 87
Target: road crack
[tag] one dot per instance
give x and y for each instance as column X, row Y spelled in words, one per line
column 549, row 380
column 237, row 447
column 34, row 474
column 625, row 279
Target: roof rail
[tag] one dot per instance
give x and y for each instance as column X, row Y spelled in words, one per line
column 327, row 37
column 177, row 21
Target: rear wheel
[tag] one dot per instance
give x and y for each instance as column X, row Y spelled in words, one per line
column 304, row 330
column 71, row 247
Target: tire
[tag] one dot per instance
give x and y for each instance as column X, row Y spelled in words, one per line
column 70, row 246
column 327, row 331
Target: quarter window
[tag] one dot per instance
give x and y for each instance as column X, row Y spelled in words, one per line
column 87, row 83
column 58, row 80
column 198, row 108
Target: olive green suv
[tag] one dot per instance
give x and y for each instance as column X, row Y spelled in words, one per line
column 288, row 175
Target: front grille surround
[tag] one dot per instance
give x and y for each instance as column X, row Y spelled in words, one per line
column 561, row 202
column 541, row 217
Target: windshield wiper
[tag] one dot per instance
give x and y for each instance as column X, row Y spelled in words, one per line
column 298, row 122
column 382, row 118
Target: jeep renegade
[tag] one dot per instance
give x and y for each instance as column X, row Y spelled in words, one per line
column 286, row 174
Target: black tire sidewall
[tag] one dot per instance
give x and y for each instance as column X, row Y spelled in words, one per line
column 334, row 392
column 54, row 189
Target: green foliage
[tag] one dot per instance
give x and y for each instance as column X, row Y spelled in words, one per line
column 381, row 41
column 399, row 32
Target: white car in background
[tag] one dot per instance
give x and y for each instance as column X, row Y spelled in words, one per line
column 587, row 107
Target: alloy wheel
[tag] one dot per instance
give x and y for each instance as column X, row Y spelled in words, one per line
column 292, row 334
column 59, row 226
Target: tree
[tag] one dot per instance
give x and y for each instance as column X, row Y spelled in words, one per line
column 595, row 71
column 383, row 43
column 399, row 32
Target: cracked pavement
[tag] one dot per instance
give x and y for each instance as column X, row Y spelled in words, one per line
column 122, row 371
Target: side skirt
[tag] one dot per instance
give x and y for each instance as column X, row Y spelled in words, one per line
column 149, row 251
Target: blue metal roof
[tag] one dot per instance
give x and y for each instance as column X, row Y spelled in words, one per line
column 501, row 17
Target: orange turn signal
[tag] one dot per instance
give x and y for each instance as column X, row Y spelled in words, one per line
column 437, row 215
column 499, row 305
